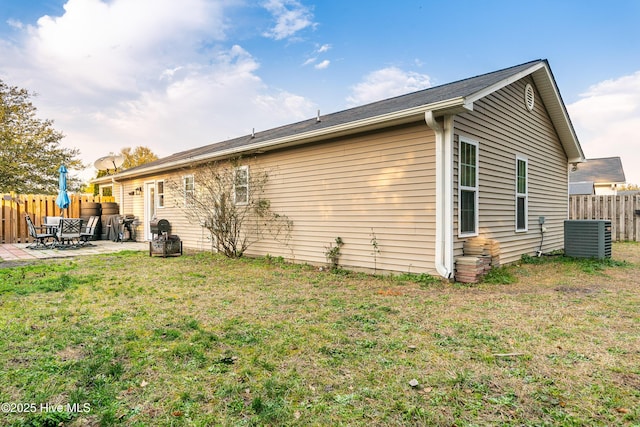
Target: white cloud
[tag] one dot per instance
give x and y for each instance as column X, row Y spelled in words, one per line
column 224, row 100
column 324, row 64
column 386, row 83
column 290, row 16
column 144, row 72
column 607, row 121
column 15, row 24
column 108, row 46
column 309, row 61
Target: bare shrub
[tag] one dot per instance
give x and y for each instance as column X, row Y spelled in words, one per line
column 229, row 201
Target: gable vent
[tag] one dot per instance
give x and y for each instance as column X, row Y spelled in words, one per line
column 529, row 97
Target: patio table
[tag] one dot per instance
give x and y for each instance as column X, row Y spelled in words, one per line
column 52, row 228
column 64, row 236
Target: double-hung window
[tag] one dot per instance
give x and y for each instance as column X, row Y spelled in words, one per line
column 467, row 188
column 188, row 184
column 522, row 188
column 160, row 193
column 241, row 185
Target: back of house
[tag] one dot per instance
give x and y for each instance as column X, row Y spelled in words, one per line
column 403, row 182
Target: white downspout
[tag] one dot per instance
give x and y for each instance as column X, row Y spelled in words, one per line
column 113, row 181
column 444, row 192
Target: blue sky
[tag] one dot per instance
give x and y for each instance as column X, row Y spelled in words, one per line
column 173, row 75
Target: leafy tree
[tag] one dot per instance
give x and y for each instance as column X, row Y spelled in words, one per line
column 139, row 156
column 212, row 204
column 30, row 151
column 629, row 187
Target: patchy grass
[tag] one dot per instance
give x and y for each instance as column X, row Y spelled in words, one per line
column 30, row 279
column 203, row 340
column 587, row 265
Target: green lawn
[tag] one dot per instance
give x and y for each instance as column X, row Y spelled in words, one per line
column 200, row 340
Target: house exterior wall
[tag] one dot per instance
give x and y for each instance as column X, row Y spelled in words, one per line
column 382, row 184
column 134, row 204
column 504, row 128
column 379, row 183
column 606, row 189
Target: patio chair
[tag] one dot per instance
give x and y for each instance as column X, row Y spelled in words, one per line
column 51, row 224
column 89, row 231
column 40, row 239
column 69, row 231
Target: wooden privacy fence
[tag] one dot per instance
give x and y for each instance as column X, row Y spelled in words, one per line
column 623, row 211
column 14, row 207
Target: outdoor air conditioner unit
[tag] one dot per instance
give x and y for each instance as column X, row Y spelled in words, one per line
column 587, row 238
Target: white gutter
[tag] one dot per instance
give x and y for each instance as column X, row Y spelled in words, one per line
column 444, row 192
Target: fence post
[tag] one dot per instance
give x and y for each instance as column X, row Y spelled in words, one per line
column 13, row 212
column 4, row 211
column 24, row 207
column 629, row 218
column 636, row 217
column 621, row 216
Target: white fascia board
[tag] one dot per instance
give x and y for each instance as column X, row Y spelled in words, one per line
column 396, row 117
column 503, row 83
column 559, row 115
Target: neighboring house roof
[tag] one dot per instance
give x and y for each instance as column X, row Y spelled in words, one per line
column 607, row 170
column 581, row 188
column 449, row 98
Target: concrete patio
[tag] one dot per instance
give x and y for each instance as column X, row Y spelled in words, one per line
column 20, row 252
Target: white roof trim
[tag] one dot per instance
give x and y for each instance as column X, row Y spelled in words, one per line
column 504, row 83
column 550, row 95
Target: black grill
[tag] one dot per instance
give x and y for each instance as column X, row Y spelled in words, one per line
column 159, row 227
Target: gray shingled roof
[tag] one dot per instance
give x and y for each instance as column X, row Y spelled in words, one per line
column 603, row 170
column 458, row 89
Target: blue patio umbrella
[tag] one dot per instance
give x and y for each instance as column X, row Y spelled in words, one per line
column 62, row 201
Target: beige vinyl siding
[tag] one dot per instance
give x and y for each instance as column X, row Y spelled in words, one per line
column 135, row 205
column 504, row 129
column 383, row 181
column 193, row 235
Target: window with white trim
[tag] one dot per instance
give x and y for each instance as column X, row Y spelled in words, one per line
column 188, row 184
column 160, row 193
column 467, row 188
column 522, row 193
column 106, row 190
column 241, row 185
